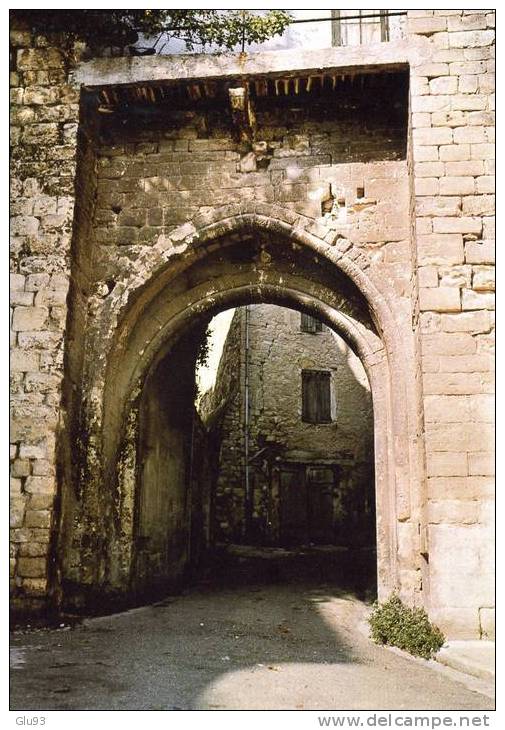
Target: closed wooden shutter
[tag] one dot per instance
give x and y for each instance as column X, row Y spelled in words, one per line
column 310, row 324
column 316, row 396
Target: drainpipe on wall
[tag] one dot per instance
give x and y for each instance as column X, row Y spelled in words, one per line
column 248, row 504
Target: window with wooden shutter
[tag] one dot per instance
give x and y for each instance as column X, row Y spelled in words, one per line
column 310, row 324
column 316, row 396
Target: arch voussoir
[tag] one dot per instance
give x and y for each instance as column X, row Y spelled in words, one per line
column 186, row 240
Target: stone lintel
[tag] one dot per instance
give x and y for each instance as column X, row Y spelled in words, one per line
column 395, row 55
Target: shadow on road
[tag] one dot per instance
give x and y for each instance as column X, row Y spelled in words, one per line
column 256, row 610
column 228, row 644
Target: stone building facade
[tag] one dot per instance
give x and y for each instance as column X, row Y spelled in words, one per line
column 309, row 473
column 145, row 198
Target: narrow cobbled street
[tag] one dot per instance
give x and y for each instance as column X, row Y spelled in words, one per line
column 290, row 647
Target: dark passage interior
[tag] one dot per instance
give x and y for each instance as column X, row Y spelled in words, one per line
column 256, row 457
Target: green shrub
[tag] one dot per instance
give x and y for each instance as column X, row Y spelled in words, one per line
column 410, row 629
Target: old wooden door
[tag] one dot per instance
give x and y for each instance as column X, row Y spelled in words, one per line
column 293, row 506
column 306, row 505
column 320, row 486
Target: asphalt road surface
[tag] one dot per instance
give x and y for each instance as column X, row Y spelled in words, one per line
column 253, row 647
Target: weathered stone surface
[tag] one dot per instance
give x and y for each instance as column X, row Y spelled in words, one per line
column 427, row 186
column 470, row 134
column 427, row 276
column 469, row 436
column 484, row 151
column 23, row 360
column 21, row 298
column 438, row 205
column 447, row 463
column 485, row 184
column 440, row 248
column 457, row 225
column 463, row 487
column 458, row 622
column 457, row 383
column 20, row 468
column 455, row 512
column 444, row 85
column 480, row 252
column 465, row 363
column 483, row 278
column 472, row 582
column 481, row 463
column 427, row 25
column 31, row 567
column 457, row 186
column 450, row 343
column 29, row 318
column 468, row 84
column 32, row 451
column 17, row 511
column 487, row 623
column 40, row 485
column 464, row 168
column 467, row 22
column 477, row 300
column 38, row 518
column 457, row 276
column 23, row 225
column 458, row 408
column 473, row 322
column 440, row 299
column 434, row 136
column 479, row 205
column 471, row 39
column 33, row 550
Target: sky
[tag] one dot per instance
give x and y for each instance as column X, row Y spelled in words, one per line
column 219, row 326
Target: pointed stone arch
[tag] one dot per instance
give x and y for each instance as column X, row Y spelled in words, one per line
column 189, row 241
column 178, row 281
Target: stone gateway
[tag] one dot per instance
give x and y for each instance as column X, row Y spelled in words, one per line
column 354, row 184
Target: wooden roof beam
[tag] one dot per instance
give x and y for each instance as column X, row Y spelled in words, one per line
column 242, row 113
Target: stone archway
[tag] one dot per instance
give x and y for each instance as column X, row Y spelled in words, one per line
column 239, row 255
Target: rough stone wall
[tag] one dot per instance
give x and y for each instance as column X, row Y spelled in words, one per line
column 150, row 181
column 44, row 117
column 452, row 99
column 278, row 352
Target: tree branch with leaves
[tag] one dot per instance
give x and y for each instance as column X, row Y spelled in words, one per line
column 223, row 29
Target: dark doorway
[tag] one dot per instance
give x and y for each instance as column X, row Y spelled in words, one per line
column 307, row 498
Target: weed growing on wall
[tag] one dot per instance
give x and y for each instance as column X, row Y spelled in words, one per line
column 396, row 624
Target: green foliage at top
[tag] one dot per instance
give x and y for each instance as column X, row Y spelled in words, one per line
column 202, row 357
column 396, row 624
column 225, row 29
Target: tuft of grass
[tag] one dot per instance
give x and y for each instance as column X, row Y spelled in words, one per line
column 396, row 624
